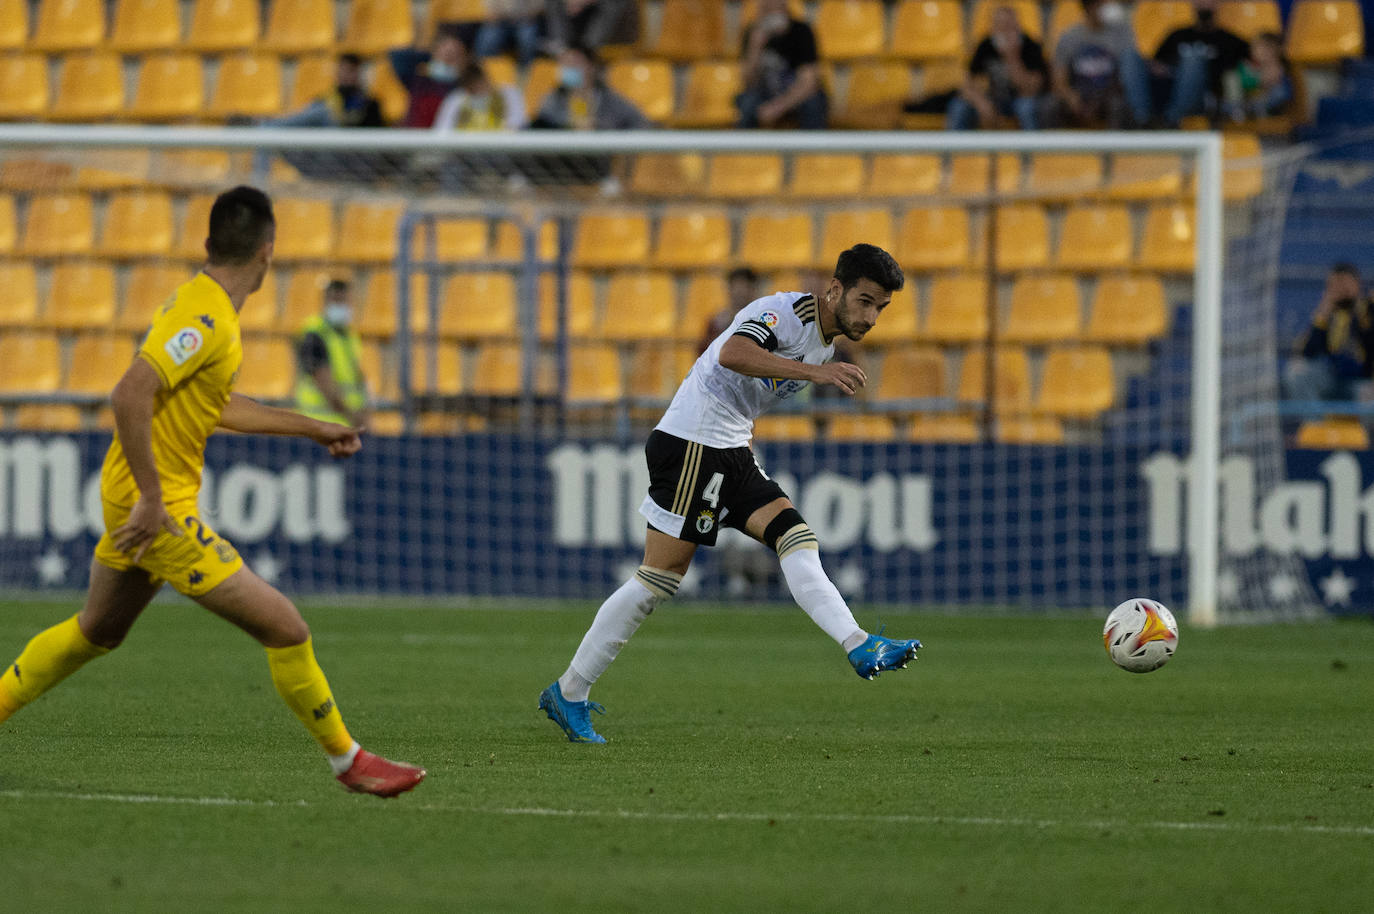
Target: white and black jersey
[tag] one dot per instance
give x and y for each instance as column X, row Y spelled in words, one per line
column 717, row 407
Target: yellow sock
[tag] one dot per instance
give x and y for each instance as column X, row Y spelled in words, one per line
column 52, row 656
column 301, row 684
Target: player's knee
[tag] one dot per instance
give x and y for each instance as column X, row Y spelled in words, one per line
column 788, row 533
column 662, row 584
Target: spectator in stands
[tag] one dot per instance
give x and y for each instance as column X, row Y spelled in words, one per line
column 583, row 101
column 1099, row 78
column 1335, row 357
column 429, row 76
column 1191, row 63
column 590, row 23
column 1263, row 83
column 330, row 383
column 741, row 287
column 479, row 104
column 512, row 24
column 347, row 105
column 781, row 70
column 1007, row 76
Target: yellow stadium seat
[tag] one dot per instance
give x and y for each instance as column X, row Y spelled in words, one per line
column 1249, row 18
column 935, row 237
column 300, row 26
column 851, row 29
column 1044, row 309
column 647, row 83
column 706, row 294
column 611, row 237
column 943, row 428
column 14, row 26
column 1324, row 31
column 657, row 370
column 784, row 428
column 436, row 368
column 510, row 241
column 367, row 232
column 927, row 29
column 58, row 224
column 9, row 227
column 970, row 175
column 898, row 322
column 1077, row 382
column 1167, row 243
column 48, row 417
column 774, row 240
column 269, row 369
column 193, row 167
column 1128, row 309
column 304, row 297
column 91, row 88
column 581, row 307
column 248, row 84
column 691, row 30
column 1011, row 377
column 822, row 175
column 305, row 229
column 99, row 360
column 19, row 304
column 68, row 25
column 497, row 369
column 540, row 80
column 1243, row 169
column 708, row 98
column 259, row 313
column 195, row 227
column 593, row 374
column 377, row 314
column 876, row 92
column 1153, row 20
column 170, row 87
column 454, row 240
column 748, row 11
column 30, row 362
column 443, row 12
column 911, row 374
column 1027, row 14
column 1095, row 237
column 377, row 26
column 640, row 305
column 146, row 25
column 1062, row 176
column 1063, row 14
column 25, row 78
column 696, row 238
column 903, row 175
column 745, row 175
column 852, row 427
column 148, row 286
column 223, row 25
column 667, row 174
column 1145, row 176
column 117, row 169
column 1344, row 433
column 314, row 78
column 842, row 229
column 82, row 296
column 393, row 97
column 958, row 311
column 1023, row 237
column 478, row 305
column 1029, row 430
column 137, row 224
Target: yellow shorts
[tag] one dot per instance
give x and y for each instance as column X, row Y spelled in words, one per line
column 194, row 563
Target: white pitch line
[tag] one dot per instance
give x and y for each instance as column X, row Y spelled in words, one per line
column 1361, row 831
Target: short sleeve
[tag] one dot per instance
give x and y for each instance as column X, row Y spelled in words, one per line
column 178, row 346
column 774, row 322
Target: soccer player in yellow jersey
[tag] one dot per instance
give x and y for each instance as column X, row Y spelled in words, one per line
column 177, row 391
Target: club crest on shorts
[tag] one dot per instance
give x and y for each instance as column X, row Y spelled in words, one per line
column 706, row 520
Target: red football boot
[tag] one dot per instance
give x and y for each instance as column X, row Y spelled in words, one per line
column 380, row 777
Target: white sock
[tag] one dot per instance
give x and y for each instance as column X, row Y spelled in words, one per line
column 814, row 593
column 341, row 763
column 615, row 622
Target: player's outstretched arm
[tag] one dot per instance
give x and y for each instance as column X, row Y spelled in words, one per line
column 244, row 414
column 749, row 358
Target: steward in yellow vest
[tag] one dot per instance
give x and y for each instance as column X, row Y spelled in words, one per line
column 330, row 383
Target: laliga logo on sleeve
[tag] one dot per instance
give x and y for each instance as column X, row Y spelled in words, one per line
column 769, row 318
column 184, row 344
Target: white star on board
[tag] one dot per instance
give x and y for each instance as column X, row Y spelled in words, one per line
column 267, row 566
column 849, row 581
column 1282, row 588
column 1228, row 585
column 51, row 567
column 1337, row 588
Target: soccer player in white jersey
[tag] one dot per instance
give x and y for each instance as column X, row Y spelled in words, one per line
column 702, row 473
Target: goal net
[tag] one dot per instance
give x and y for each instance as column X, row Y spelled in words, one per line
column 1052, row 398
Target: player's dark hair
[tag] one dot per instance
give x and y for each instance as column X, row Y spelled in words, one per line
column 744, row 273
column 1346, row 267
column 868, row 261
column 336, row 287
column 240, row 221
column 351, row 59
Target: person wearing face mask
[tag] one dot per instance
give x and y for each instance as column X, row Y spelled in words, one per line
column 582, row 101
column 479, row 104
column 1335, row 356
column 1007, row 76
column 781, row 70
column 329, row 384
column 1192, row 62
column 1098, row 76
column 429, row 76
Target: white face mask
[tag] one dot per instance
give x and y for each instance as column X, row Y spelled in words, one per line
column 1112, row 13
column 338, row 315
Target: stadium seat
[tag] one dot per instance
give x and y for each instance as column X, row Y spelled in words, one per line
column 58, row 224
column 784, row 427
column 248, row 84
column 656, row 371
column 706, row 294
column 1333, row 433
column 1145, row 176
column 9, row 226
column 822, row 175
column 875, row 95
column 1128, row 310
column 1153, row 20
column 497, row 369
column 593, row 374
column 695, row 238
column 540, row 79
column 611, row 237
column 775, row 240
column 1243, row 169
column 1011, row 379
column 943, row 428
column 668, row 174
column 48, row 417
column 223, row 25
column 98, row 361
column 927, row 29
column 390, row 94
column 581, row 307
column 367, row 232
column 903, row 175
column 259, row 312
column 708, row 98
column 445, row 12
column 30, row 362
column 647, row 83
column 1077, row 382
column 25, row 78
column 269, row 369
column 737, row 175
column 436, row 368
column 90, row 88
column 313, row 79
column 1029, row 430
column 14, row 26
column 146, row 25
column 198, row 168
column 935, row 238
column 195, row 226
column 137, row 224
column 304, row 298
column 1064, row 176
column 19, row 304
column 1044, row 309
column 858, row 427
column 300, row 26
column 116, row 169
column 68, row 25
column 842, row 229
column 1249, row 18
column 376, row 26
column 1063, row 14
column 377, row 314
column 691, row 30
column 851, row 29
column 958, row 310
column 1023, row 237
column 305, row 229
column 1324, row 31
column 147, row 287
column 170, row 87
column 899, row 321
column 476, row 305
column 911, row 374
column 1167, row 242
column 510, row 241
column 1095, row 237
column 640, row 305
column 454, row 240
column 81, row 297
column 970, row 174
column 1027, row 14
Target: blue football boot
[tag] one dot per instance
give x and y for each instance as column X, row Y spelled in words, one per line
column 879, row 653
column 572, row 716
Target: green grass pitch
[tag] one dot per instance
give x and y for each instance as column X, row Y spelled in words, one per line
column 1012, row 768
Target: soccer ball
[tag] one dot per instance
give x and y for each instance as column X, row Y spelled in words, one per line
column 1140, row 635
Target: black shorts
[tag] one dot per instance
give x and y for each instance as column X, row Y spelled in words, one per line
column 694, row 490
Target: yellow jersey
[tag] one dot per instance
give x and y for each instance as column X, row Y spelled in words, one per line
column 194, row 346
